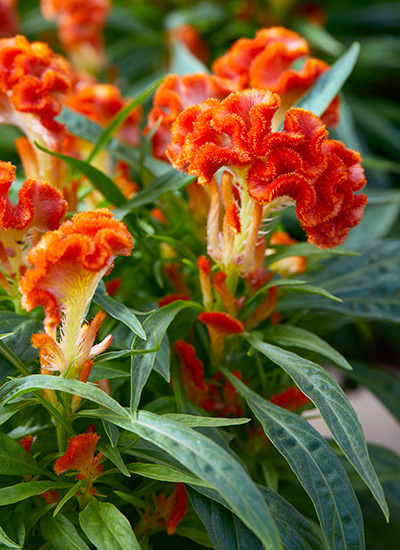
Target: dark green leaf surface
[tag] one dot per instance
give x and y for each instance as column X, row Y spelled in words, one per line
column 118, row 311
column 317, row 468
column 335, row 409
column 14, row 460
column 106, row 527
column 22, row 491
column 154, row 326
column 164, row 473
column 62, row 533
column 6, row 541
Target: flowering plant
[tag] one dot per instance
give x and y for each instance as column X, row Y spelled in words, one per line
column 192, row 271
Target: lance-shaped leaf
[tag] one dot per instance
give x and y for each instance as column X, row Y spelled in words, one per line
column 62, row 534
column 210, row 463
column 22, row 491
column 155, row 327
column 335, row 408
column 317, row 468
column 14, row 460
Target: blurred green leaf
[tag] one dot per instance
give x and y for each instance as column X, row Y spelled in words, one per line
column 22, row 491
column 62, row 534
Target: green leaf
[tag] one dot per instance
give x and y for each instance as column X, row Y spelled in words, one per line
column 318, row 37
column 14, row 460
column 6, row 541
column 288, row 336
column 210, row 463
column 305, row 249
column 170, row 181
column 19, row 386
column 367, row 284
column 335, row 409
column 381, row 383
column 117, row 121
column 194, row 421
column 68, row 495
column 183, row 61
column 62, row 533
column 106, row 527
column 155, row 327
column 22, row 491
column 330, row 83
column 101, row 181
column 117, row 310
column 164, row 473
column 312, row 289
column 316, row 466
column 114, row 456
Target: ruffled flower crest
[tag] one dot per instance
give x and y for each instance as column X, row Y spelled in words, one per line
column 40, row 208
column 68, row 265
column 268, row 170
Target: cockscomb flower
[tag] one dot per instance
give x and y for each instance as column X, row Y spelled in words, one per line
column 292, row 265
column 33, row 82
column 220, row 325
column 68, row 265
column 290, row 399
column 80, row 27
column 163, row 511
column 270, row 170
column 267, row 62
column 26, row 442
column 40, row 208
column 173, row 96
column 80, row 457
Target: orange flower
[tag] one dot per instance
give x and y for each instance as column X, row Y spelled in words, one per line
column 79, row 456
column 192, row 369
column 177, row 507
column 164, row 511
column 287, row 266
column 26, row 443
column 40, row 208
column 266, row 62
column 80, row 26
column 219, row 325
column 33, row 82
column 274, row 169
column 68, row 265
column 291, row 399
column 173, row 96
column 170, row 298
column 8, row 18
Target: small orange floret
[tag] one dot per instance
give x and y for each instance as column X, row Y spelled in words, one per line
column 170, row 298
column 69, row 263
column 291, row 399
column 232, row 217
column 26, row 443
column 178, row 504
column 204, row 265
column 51, row 497
column 192, row 364
column 221, row 322
column 79, row 456
column 100, row 103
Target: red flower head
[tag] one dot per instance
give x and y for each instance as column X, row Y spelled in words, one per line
column 291, row 399
column 80, row 26
column 266, row 62
column 177, row 507
column 68, row 265
column 26, row 443
column 297, row 165
column 193, row 369
column 170, row 298
column 79, row 456
column 8, row 18
column 168, row 511
column 173, row 96
column 40, row 208
column 219, row 325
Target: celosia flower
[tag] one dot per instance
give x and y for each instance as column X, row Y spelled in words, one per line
column 193, row 369
column 286, row 266
column 40, row 208
column 33, row 81
column 291, row 399
column 170, row 298
column 164, row 511
column 80, row 457
column 267, row 62
column 219, row 325
column 26, row 443
column 270, row 170
column 80, row 26
column 68, row 265
column 177, row 507
column 51, row 497
column 8, row 18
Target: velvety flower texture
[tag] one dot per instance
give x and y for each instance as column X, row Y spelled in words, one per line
column 296, row 165
column 79, row 456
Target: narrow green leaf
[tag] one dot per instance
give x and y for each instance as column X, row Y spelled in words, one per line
column 210, row 463
column 106, row 527
column 312, row 289
column 117, row 121
column 330, row 83
column 183, row 61
column 275, row 282
column 114, row 456
column 101, row 181
column 22, row 491
column 5, row 539
column 170, row 181
column 14, row 460
column 19, row 386
column 164, row 473
column 68, row 495
column 316, row 466
column 62, row 534
column 288, row 336
column 155, row 327
column 335, row 409
column 194, row 421
column 118, row 311
column 307, row 250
